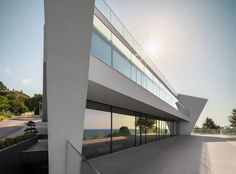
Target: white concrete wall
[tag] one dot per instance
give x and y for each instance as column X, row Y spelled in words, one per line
column 109, row 86
column 68, row 27
column 195, row 106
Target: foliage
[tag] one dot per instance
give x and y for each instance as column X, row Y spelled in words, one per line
column 31, row 129
column 3, row 117
column 229, row 131
column 124, row 130
column 18, row 103
column 209, row 124
column 206, row 131
column 33, row 103
column 145, row 123
column 232, row 118
column 4, row 104
column 2, row 86
column 11, row 141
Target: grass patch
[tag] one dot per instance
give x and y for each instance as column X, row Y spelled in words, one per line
column 3, row 117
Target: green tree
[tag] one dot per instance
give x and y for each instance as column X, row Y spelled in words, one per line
column 16, row 102
column 124, row 130
column 232, row 118
column 2, row 86
column 209, row 124
column 144, row 123
column 4, row 104
column 33, row 103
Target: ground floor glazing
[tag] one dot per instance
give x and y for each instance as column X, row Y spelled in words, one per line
column 109, row 129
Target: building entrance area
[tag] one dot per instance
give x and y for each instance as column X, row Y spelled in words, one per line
column 108, row 129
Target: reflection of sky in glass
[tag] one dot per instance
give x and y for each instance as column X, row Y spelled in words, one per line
column 120, row 120
column 95, row 119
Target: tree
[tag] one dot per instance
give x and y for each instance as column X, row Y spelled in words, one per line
column 2, row 86
column 124, row 130
column 145, row 123
column 33, row 103
column 232, row 118
column 16, row 102
column 209, row 124
column 4, row 104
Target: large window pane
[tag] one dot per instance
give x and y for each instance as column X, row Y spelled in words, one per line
column 139, row 77
column 100, row 48
column 144, row 80
column 137, row 62
column 115, row 21
column 120, row 46
column 158, row 130
column 121, row 64
column 101, row 28
column 133, row 73
column 149, row 85
column 104, row 8
column 123, row 132
column 97, row 131
column 150, row 130
column 140, row 130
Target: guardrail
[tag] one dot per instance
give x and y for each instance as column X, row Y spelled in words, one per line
column 222, row 131
column 76, row 163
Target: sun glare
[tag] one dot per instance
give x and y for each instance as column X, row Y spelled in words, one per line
column 152, row 48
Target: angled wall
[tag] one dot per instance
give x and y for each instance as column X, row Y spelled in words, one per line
column 195, row 106
column 68, row 29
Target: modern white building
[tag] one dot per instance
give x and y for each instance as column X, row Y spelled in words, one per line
column 104, row 93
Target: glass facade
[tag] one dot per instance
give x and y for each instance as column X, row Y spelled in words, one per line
column 109, row 49
column 123, row 131
column 109, row 129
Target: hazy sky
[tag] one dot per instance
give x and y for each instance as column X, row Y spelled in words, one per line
column 196, row 40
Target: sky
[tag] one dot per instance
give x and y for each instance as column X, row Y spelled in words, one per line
column 194, row 45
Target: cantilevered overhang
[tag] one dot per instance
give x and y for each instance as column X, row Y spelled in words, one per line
column 108, row 86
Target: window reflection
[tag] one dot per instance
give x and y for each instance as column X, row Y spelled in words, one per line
column 151, row 130
column 123, row 132
column 97, row 132
column 121, row 64
column 108, row 129
column 101, row 48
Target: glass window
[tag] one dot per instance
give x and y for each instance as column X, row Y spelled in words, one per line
column 154, row 89
column 149, row 85
column 100, row 48
column 123, row 132
column 121, row 64
column 136, row 61
column 151, row 130
column 97, row 132
column 158, row 129
column 103, row 8
column 162, row 92
column 148, row 73
column 140, row 130
column 115, row 21
column 144, row 80
column 139, row 77
column 133, row 73
column 101, row 28
column 128, row 37
column 120, row 46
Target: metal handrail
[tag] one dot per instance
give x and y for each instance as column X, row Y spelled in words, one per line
column 96, row 171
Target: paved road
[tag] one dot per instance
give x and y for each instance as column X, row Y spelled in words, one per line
column 11, row 126
column 176, row 155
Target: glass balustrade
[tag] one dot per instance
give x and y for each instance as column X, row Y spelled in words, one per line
column 108, row 48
